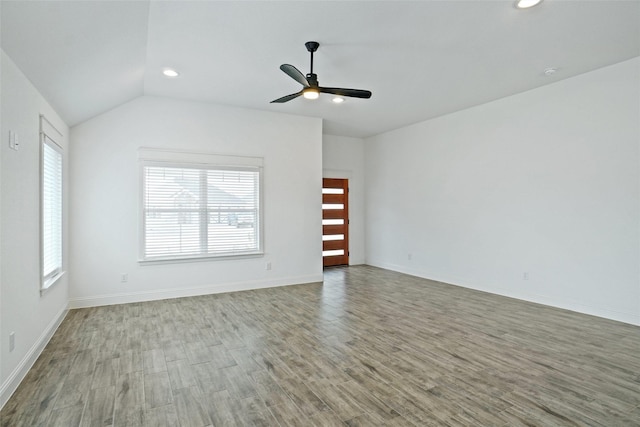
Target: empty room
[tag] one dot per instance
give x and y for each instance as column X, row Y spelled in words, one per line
column 320, row 213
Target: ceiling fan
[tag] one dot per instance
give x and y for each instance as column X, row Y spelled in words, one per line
column 311, row 89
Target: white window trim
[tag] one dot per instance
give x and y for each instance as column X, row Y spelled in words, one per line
column 46, row 132
column 178, row 158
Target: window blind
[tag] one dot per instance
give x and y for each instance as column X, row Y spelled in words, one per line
column 200, row 211
column 51, row 210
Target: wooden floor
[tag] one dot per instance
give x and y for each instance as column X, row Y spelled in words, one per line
column 369, row 347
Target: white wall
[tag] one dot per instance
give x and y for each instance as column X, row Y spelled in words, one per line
column 343, row 157
column 545, row 182
column 105, row 192
column 23, row 310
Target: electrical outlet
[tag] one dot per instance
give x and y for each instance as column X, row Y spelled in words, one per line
column 124, row 277
column 525, row 275
column 12, row 341
column 409, row 256
column 267, row 266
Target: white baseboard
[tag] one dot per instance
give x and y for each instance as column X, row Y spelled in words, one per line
column 15, row 378
column 606, row 313
column 125, row 298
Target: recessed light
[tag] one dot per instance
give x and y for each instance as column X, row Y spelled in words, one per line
column 338, row 100
column 169, row 72
column 550, row 71
column 526, row 4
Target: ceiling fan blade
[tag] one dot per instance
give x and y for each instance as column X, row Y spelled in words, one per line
column 295, row 74
column 287, row 98
column 354, row 93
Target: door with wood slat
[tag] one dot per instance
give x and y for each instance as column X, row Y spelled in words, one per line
column 335, row 221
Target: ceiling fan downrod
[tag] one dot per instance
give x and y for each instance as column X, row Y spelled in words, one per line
column 312, row 47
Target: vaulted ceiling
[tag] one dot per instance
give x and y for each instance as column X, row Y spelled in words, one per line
column 421, row 59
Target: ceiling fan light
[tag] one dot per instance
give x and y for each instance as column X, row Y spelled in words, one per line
column 526, row 4
column 338, row 100
column 311, row 93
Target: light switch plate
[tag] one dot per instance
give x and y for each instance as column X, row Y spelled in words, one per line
column 13, row 140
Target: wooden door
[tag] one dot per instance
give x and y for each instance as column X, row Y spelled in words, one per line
column 335, row 221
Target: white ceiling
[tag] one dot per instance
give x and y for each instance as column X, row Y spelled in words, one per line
column 421, row 59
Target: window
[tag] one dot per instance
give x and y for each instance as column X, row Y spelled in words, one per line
column 51, row 211
column 199, row 210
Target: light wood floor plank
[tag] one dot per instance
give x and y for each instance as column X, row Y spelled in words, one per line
column 154, row 361
column 190, row 408
column 74, row 390
column 99, row 408
column 162, row 416
column 69, row 416
column 129, row 404
column 157, row 390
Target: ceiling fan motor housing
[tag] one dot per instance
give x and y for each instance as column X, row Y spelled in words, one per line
column 312, row 79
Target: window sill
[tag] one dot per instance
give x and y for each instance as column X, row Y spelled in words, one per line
column 160, row 261
column 50, row 283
